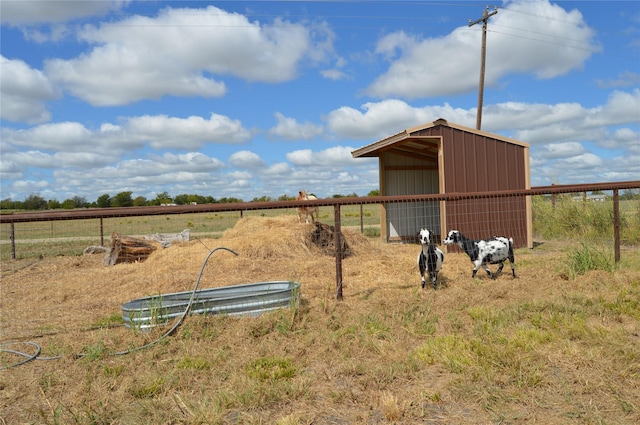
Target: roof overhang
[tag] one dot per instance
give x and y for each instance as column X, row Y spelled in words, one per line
column 403, row 144
column 406, row 143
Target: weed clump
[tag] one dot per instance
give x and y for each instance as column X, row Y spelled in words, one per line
column 586, row 258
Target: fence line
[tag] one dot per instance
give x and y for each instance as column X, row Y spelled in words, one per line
column 53, row 215
column 336, row 203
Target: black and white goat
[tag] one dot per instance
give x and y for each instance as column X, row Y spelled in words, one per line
column 430, row 258
column 482, row 252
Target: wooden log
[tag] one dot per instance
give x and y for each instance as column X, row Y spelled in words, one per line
column 126, row 249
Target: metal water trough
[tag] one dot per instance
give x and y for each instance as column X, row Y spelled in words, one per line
column 251, row 299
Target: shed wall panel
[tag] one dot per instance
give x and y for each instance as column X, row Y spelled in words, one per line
column 475, row 163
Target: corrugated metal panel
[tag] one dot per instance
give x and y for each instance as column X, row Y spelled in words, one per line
column 406, row 176
column 477, row 163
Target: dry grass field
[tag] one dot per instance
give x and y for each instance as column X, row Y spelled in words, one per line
column 548, row 347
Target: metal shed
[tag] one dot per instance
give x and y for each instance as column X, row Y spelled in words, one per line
column 443, row 157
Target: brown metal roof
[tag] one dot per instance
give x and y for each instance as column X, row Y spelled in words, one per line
column 409, row 142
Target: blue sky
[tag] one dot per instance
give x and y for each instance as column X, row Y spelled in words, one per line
column 252, row 98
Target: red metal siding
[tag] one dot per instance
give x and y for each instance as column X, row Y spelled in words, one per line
column 476, row 163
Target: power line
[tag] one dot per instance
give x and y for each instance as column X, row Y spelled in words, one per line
column 537, row 33
column 548, row 18
column 547, row 41
column 586, row 49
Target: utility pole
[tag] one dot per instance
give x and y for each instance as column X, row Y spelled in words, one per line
column 485, row 17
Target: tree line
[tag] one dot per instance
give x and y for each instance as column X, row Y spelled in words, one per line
column 35, row 202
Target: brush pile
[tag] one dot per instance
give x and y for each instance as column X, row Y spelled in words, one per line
column 126, row 249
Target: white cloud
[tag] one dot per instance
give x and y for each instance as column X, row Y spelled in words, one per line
column 621, row 107
column 194, row 162
column 240, row 175
column 290, row 129
column 585, row 160
column 21, row 12
column 281, row 169
column 561, row 150
column 143, row 57
column 164, row 132
column 109, row 141
column 302, row 158
column 86, row 160
column 24, row 92
column 44, row 160
column 30, row 186
column 623, row 168
column 531, row 123
column 336, row 73
column 189, row 172
column 564, row 122
column 625, row 79
column 384, row 118
column 621, row 138
column 166, row 165
column 62, row 136
column 522, row 115
column 516, row 44
column 118, row 75
column 334, row 157
column 54, row 33
column 246, row 159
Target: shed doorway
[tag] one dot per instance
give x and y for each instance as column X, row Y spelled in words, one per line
column 410, row 173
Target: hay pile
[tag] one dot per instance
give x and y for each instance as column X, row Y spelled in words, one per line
column 63, row 293
column 284, row 237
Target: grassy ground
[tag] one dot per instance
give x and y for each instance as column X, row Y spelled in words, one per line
column 556, row 345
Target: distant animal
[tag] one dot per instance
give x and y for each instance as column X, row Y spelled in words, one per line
column 482, row 252
column 307, row 211
column 430, row 259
